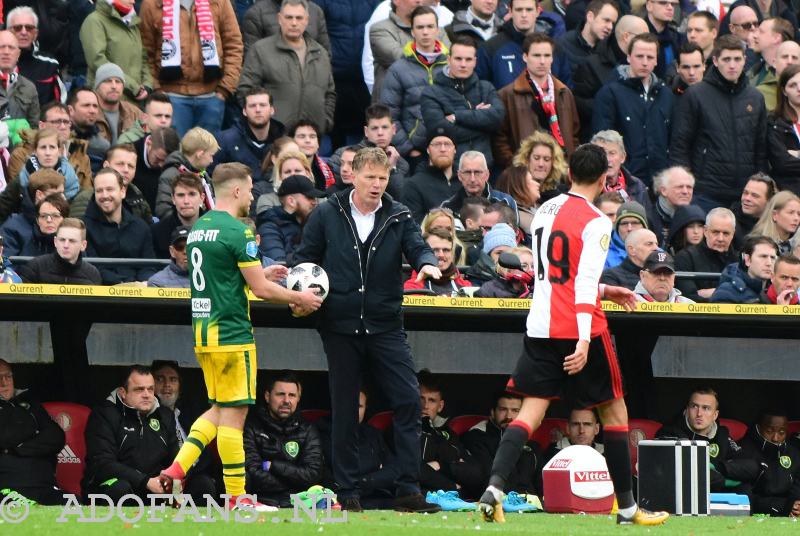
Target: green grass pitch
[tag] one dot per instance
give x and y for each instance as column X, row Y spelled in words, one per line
column 41, row 521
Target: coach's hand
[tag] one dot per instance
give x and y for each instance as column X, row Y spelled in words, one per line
column 574, row 363
column 276, row 272
column 622, row 296
column 306, row 303
column 796, row 509
column 429, row 271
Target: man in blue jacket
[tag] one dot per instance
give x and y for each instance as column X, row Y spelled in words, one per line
column 359, row 237
column 249, row 140
column 500, row 58
column 743, row 282
column 639, row 106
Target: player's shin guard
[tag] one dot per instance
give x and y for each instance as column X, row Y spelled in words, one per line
column 231, row 452
column 202, row 433
column 514, row 438
column 618, row 458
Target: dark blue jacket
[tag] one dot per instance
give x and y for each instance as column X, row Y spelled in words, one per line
column 346, row 20
column 366, row 282
column 736, row 286
column 643, row 120
column 130, row 239
column 500, row 59
column 22, row 236
column 472, row 129
column 236, row 144
column 280, row 234
column 669, row 43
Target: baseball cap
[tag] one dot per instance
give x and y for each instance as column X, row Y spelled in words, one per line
column 179, row 233
column 298, row 184
column 658, row 260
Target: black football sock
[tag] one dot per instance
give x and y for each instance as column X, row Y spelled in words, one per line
column 618, row 458
column 514, row 438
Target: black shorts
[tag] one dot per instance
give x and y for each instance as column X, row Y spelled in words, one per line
column 540, row 372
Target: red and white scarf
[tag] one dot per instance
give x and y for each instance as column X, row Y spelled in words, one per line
column 171, row 40
column 8, row 80
column 327, row 172
column 203, row 176
column 547, row 100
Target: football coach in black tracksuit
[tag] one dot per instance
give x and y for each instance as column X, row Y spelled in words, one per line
column 359, row 236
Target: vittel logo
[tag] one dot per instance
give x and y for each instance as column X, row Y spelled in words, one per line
column 592, row 476
column 560, row 464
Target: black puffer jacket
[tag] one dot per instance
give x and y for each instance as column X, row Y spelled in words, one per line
column 778, row 485
column 121, row 443
column 130, row 239
column 54, row 270
column 292, row 447
column 482, row 442
column 726, row 456
column 784, row 168
column 427, row 189
column 719, row 132
column 590, row 76
column 366, row 283
column 472, row 129
column 29, row 443
column 626, row 274
column 701, row 258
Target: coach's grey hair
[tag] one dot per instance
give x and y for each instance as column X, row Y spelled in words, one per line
column 473, row 155
column 609, row 136
column 21, row 10
column 662, row 177
column 720, row 212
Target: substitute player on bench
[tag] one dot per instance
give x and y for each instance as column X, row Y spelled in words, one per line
column 223, row 264
column 567, row 347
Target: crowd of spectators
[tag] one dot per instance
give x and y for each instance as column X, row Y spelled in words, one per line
column 134, row 433
column 114, row 115
column 478, row 105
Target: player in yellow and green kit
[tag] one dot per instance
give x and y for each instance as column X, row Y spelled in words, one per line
column 223, row 265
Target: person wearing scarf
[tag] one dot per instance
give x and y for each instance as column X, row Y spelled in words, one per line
column 784, row 283
column 111, row 35
column 536, row 100
column 195, row 51
column 62, row 166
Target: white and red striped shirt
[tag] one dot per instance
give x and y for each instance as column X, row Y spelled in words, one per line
column 570, row 243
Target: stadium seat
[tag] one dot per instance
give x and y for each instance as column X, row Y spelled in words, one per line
column 382, row 421
column 639, row 429
column 72, row 419
column 313, row 415
column 736, row 428
column 793, row 427
column 462, row 423
column 550, row 431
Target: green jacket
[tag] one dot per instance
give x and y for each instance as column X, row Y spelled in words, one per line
column 769, row 88
column 133, row 134
column 106, row 38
